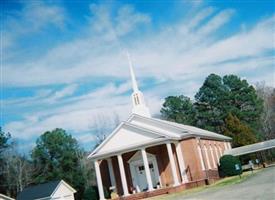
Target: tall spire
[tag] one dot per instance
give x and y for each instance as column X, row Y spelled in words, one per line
column 139, row 106
column 133, row 77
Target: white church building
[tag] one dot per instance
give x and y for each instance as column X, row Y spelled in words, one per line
column 145, row 156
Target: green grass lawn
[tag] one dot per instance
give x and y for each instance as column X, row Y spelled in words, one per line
column 221, row 183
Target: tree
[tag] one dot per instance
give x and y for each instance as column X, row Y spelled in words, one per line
column 17, row 172
column 268, row 114
column 220, row 96
column 210, row 102
column 103, row 125
column 15, row 169
column 56, row 156
column 4, row 140
column 243, row 102
column 240, row 133
column 178, row 109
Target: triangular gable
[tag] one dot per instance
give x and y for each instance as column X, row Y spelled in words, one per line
column 63, row 189
column 125, row 136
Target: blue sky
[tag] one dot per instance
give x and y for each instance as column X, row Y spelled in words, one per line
column 64, row 63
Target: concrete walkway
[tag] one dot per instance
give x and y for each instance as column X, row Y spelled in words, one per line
column 261, row 186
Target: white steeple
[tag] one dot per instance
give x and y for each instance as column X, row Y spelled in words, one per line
column 139, row 106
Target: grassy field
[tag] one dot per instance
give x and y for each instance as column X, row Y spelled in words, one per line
column 221, row 183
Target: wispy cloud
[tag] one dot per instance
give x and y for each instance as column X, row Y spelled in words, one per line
column 175, row 57
column 34, row 16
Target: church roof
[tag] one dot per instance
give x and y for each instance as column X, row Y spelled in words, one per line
column 139, row 131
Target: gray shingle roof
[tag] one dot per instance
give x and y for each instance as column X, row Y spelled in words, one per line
column 38, row 191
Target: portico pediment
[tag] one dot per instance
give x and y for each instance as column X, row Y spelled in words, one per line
column 125, row 136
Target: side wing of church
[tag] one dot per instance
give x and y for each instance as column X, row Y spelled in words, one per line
column 145, row 155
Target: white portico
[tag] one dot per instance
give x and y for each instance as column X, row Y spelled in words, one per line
column 145, row 154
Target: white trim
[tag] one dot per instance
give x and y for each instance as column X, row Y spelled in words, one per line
column 212, row 156
column 145, row 131
column 229, row 145
column 220, row 150
column 122, row 175
column 66, row 185
column 173, row 164
column 99, row 181
column 178, row 134
column 225, row 145
column 181, row 163
column 184, row 128
column 134, row 147
column 216, row 152
column 5, row 197
column 106, row 140
column 207, row 158
column 200, row 156
column 137, row 160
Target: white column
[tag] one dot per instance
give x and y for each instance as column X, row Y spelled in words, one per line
column 99, row 181
column 173, row 165
column 147, row 170
column 207, row 157
column 212, row 156
column 181, row 163
column 111, row 172
column 122, row 175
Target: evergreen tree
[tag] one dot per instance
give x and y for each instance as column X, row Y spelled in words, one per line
column 243, row 102
column 209, row 104
column 178, row 109
column 220, row 96
column 240, row 133
column 217, row 97
column 56, row 156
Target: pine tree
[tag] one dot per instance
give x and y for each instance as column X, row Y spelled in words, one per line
column 240, row 133
column 56, row 156
column 178, row 109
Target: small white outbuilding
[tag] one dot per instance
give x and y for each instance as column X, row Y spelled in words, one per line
column 4, row 197
column 51, row 190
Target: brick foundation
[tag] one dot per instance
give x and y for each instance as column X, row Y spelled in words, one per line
column 167, row 190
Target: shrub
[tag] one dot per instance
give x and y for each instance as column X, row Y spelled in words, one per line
column 228, row 165
column 91, row 193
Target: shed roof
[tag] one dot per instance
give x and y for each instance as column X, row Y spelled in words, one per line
column 38, row 191
column 42, row 190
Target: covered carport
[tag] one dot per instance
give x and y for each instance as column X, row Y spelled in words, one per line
column 265, row 151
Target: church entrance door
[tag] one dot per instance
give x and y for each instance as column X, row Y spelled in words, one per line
column 138, row 172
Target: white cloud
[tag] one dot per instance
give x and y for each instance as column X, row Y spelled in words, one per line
column 184, row 52
column 67, row 91
column 216, row 22
column 34, row 16
column 177, row 55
